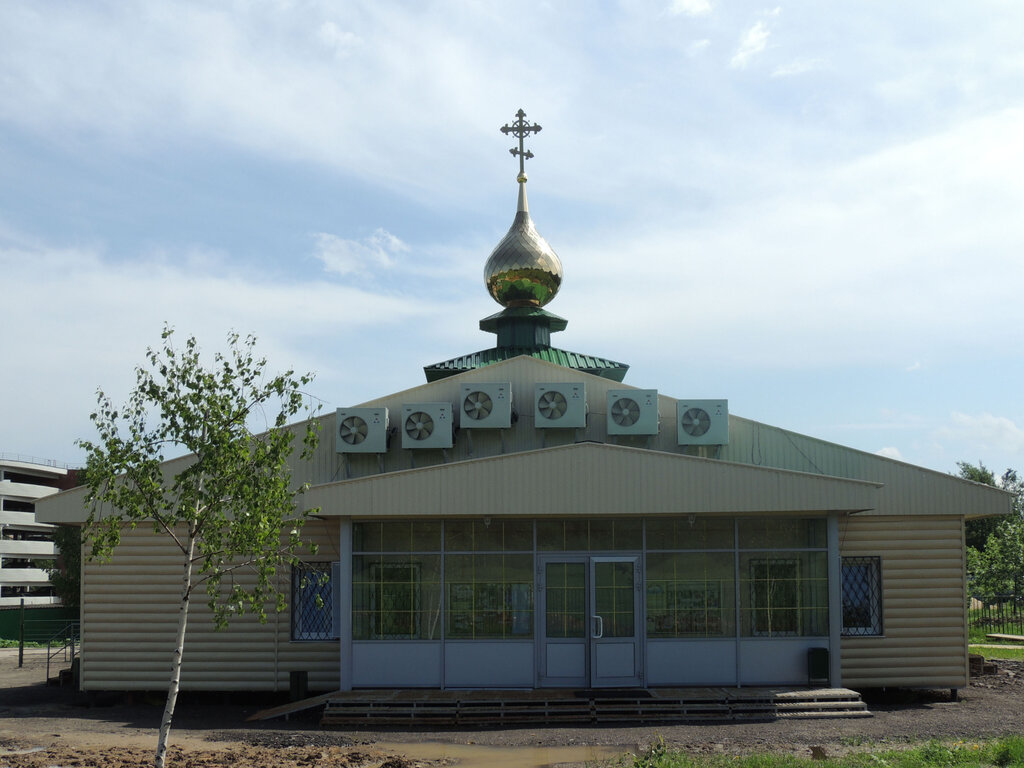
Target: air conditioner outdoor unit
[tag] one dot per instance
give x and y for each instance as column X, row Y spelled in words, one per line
column 361, row 430
column 560, row 406
column 702, row 422
column 426, row 425
column 632, row 412
column 486, row 406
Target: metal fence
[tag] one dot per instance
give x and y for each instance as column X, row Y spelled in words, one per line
column 1001, row 615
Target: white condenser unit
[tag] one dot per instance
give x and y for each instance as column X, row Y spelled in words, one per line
column 486, row 406
column 702, row 422
column 361, row 430
column 560, row 406
column 632, row 411
column 426, row 425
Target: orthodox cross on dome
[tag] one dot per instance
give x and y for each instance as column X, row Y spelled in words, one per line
column 520, row 129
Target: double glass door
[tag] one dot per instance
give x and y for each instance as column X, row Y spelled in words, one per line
column 591, row 621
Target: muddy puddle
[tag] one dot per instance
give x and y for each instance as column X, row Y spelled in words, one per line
column 479, row 756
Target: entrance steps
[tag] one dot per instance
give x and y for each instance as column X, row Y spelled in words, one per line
column 370, row 709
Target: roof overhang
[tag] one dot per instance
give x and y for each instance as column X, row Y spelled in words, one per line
column 591, row 479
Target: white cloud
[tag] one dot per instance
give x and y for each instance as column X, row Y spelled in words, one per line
column 846, row 266
column 984, row 432
column 92, row 318
column 343, row 42
column 890, row 452
column 914, row 366
column 697, row 47
column 798, row 67
column 752, row 43
column 358, row 257
column 690, row 7
column 865, row 217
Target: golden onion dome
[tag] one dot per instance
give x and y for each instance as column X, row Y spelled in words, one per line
column 523, row 270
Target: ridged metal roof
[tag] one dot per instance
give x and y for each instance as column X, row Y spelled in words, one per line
column 598, row 366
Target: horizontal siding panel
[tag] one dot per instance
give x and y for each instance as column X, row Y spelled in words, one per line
column 923, row 600
column 131, row 617
column 950, row 680
column 945, row 672
column 951, row 633
column 224, row 659
column 163, row 636
column 898, row 656
column 913, row 591
column 217, row 686
column 919, row 622
column 865, row 647
column 904, row 598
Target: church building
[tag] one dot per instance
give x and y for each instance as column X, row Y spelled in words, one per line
column 524, row 518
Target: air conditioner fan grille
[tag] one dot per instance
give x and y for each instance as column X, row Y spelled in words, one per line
column 552, row 405
column 353, row 430
column 625, row 412
column 695, row 422
column 419, row 425
column 477, row 405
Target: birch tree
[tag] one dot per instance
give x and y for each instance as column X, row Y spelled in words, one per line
column 231, row 509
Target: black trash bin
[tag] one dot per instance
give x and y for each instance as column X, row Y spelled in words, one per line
column 817, row 666
column 298, row 685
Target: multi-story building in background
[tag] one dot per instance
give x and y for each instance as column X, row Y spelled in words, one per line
column 26, row 546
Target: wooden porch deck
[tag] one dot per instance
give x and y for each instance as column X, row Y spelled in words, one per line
column 415, row 708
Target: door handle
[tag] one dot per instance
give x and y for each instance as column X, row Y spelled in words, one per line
column 599, row 633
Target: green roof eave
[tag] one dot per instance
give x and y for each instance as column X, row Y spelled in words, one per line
column 597, row 366
column 554, row 322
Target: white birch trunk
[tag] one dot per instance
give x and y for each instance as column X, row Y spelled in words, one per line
column 179, row 648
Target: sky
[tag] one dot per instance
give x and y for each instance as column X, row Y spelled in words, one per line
column 811, row 209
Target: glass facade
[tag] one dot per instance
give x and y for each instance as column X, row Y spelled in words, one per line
column 702, row 577
column 691, row 594
column 396, row 580
column 565, row 598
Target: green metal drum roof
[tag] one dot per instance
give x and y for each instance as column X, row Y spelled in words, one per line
column 598, row 366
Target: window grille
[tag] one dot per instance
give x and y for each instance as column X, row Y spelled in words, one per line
column 312, row 602
column 862, row 596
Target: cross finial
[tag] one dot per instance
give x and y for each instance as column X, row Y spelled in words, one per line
column 520, row 129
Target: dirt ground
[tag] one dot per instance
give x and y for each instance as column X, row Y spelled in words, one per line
column 44, row 726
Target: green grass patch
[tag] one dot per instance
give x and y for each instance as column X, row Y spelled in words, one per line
column 997, row 653
column 5, row 643
column 980, row 633
column 1000, row 753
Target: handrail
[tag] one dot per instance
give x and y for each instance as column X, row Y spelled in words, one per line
column 68, row 636
column 22, row 458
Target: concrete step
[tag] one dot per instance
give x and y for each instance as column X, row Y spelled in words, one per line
column 475, row 708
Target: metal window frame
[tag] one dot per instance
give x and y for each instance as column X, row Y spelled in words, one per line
column 301, row 598
column 872, row 567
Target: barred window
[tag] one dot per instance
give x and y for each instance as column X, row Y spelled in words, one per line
column 862, row 596
column 313, row 602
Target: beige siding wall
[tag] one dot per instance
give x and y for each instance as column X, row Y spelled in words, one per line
column 924, row 642
column 130, row 618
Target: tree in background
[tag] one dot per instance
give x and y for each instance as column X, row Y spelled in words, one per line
column 231, row 508
column 66, row 575
column 978, row 531
column 995, row 545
